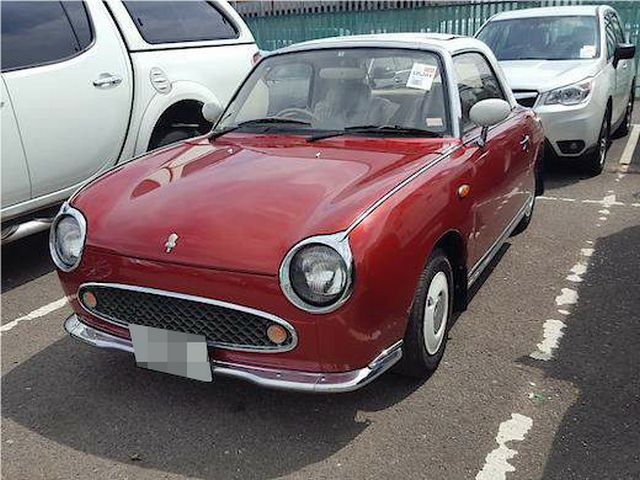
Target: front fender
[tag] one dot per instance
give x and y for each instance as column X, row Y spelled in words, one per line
column 159, row 103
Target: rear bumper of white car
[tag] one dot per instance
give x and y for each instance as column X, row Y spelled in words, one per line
column 571, row 131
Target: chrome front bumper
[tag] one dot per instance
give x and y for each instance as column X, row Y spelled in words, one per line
column 265, row 377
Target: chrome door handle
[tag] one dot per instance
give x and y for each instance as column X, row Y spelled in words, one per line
column 524, row 143
column 107, row 80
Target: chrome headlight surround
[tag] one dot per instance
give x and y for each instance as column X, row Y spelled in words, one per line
column 569, row 95
column 67, row 211
column 339, row 242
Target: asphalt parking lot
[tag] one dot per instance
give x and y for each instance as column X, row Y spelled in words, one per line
column 540, row 378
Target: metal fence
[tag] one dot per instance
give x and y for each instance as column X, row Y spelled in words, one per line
column 276, row 23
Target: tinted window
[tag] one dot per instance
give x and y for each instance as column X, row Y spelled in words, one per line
column 171, row 22
column 35, row 33
column 543, row 38
column 476, row 81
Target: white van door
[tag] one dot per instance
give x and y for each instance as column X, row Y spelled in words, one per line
column 68, row 75
column 16, row 187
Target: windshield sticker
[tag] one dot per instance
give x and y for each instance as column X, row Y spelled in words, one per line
column 588, row 51
column 422, row 76
column 434, row 122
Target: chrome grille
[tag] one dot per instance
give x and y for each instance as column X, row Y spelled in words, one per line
column 223, row 325
column 526, row 98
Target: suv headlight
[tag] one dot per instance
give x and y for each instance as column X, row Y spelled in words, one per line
column 569, row 95
column 67, row 237
column 316, row 274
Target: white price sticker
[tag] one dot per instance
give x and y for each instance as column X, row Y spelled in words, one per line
column 588, row 51
column 422, row 76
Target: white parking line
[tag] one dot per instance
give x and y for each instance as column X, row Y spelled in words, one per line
column 497, row 464
column 568, row 296
column 627, row 154
column 552, row 333
column 40, row 312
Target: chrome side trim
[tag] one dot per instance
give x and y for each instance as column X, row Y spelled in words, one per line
column 337, row 241
column 67, row 211
column 448, row 151
column 310, row 382
column 481, row 264
column 193, row 298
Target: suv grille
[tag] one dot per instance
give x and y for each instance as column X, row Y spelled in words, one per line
column 223, row 325
column 526, row 98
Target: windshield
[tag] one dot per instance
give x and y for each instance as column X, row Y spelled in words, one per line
column 543, row 38
column 399, row 91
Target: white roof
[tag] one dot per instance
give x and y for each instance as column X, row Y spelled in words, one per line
column 441, row 41
column 575, row 10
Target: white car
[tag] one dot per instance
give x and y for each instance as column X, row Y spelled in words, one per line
column 86, row 85
column 574, row 67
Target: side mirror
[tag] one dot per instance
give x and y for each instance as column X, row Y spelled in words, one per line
column 624, row 51
column 211, row 111
column 487, row 113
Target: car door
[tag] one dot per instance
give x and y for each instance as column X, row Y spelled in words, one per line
column 68, row 76
column 624, row 70
column 498, row 165
column 16, row 187
column 615, row 72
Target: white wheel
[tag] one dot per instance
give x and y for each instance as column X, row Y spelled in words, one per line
column 436, row 312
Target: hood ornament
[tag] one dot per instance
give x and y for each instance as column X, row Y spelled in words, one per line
column 171, row 242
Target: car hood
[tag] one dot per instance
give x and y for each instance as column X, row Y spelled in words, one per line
column 545, row 75
column 240, row 203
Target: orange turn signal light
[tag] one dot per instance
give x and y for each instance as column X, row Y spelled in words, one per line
column 277, row 334
column 89, row 299
column 464, row 190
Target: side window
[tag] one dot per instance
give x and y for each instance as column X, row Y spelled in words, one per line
column 476, row 81
column 610, row 32
column 36, row 33
column 617, row 27
column 180, row 21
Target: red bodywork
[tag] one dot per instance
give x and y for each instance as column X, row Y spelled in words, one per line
column 242, row 201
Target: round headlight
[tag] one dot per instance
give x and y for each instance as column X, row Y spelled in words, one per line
column 318, row 275
column 67, row 239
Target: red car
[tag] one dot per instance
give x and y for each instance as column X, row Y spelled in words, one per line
column 327, row 229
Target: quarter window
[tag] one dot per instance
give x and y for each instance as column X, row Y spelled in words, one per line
column 476, row 81
column 36, row 33
column 174, row 22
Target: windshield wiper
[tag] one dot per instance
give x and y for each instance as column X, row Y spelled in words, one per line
column 258, row 121
column 389, row 129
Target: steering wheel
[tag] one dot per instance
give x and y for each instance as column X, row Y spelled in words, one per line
column 294, row 114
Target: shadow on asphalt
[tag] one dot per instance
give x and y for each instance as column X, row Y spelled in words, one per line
column 98, row 402
column 600, row 353
column 562, row 173
column 25, row 260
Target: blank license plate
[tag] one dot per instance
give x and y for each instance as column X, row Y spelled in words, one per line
column 183, row 354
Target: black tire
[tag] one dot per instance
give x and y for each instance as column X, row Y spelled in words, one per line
column 172, row 136
column 416, row 360
column 625, row 127
column 596, row 160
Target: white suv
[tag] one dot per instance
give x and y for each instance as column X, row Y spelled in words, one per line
column 574, row 67
column 88, row 84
